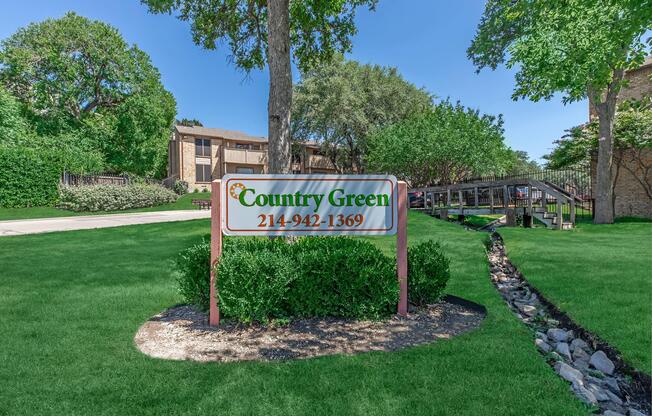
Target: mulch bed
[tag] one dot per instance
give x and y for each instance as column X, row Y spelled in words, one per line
column 182, row 333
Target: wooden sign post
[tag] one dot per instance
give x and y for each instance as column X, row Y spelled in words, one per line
column 308, row 205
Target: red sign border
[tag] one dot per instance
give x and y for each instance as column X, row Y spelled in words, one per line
column 320, row 179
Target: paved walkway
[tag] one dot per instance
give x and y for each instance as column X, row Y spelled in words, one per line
column 46, row 225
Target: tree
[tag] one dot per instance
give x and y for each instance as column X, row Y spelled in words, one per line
column 261, row 32
column 188, row 122
column 13, row 126
column 520, row 162
column 632, row 135
column 78, row 77
column 443, row 145
column 338, row 104
column 580, row 48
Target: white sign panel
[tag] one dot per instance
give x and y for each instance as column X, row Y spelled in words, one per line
column 309, row 204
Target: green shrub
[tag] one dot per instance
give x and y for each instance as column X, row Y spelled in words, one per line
column 261, row 279
column 340, row 276
column 113, row 197
column 193, row 277
column 428, row 272
column 29, row 177
column 253, row 279
column 180, row 187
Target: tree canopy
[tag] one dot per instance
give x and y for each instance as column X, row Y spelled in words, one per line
column 445, row 144
column 318, row 29
column 78, row 78
column 260, row 32
column 340, row 103
column 578, row 48
column 571, row 47
column 632, row 130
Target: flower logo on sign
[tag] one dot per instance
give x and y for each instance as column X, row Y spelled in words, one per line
column 236, row 189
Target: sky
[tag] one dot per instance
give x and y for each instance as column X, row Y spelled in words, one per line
column 425, row 39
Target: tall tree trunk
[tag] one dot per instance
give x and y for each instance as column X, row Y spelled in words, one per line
column 605, row 105
column 280, row 85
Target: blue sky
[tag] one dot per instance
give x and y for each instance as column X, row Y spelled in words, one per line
column 425, row 39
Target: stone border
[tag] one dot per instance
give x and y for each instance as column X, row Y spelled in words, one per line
column 597, row 373
column 182, row 333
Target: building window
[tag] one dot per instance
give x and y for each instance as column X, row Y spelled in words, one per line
column 244, row 170
column 243, row 146
column 203, row 147
column 202, row 173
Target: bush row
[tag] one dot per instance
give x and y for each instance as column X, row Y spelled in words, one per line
column 29, row 177
column 263, row 279
column 114, row 197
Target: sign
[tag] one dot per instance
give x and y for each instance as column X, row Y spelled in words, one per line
column 309, row 204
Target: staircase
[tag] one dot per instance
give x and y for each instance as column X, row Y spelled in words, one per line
column 550, row 219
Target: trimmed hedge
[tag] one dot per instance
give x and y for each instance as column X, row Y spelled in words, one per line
column 428, row 273
column 29, row 177
column 114, row 197
column 261, row 279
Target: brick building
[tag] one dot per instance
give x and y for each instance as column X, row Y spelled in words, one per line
column 632, row 168
column 198, row 155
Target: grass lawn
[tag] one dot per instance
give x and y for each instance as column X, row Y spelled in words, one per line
column 478, row 221
column 601, row 275
column 184, row 202
column 71, row 303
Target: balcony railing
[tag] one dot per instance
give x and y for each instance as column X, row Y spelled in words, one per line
column 244, row 156
column 320, row 162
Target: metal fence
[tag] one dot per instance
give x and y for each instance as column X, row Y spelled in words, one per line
column 73, row 179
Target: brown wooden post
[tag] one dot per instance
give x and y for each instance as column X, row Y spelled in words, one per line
column 572, row 210
column 491, row 199
column 544, row 201
column 529, row 199
column 505, row 197
column 560, row 215
column 401, row 249
column 461, row 202
column 475, row 190
column 448, row 198
column 432, row 205
column 510, row 217
column 216, row 251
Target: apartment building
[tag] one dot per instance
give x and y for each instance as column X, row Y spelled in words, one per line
column 198, row 155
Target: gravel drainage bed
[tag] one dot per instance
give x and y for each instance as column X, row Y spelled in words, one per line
column 596, row 371
column 182, row 333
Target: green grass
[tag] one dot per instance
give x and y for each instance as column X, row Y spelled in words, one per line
column 71, row 303
column 184, row 202
column 478, row 221
column 601, row 275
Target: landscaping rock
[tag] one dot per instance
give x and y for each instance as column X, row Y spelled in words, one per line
column 541, row 335
column 593, row 376
column 614, row 398
column 557, row 334
column 563, row 349
column 543, row 346
column 601, row 362
column 584, row 394
column 612, row 384
column 528, row 310
column 579, row 355
column 568, row 373
column 578, row 344
column 598, row 392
